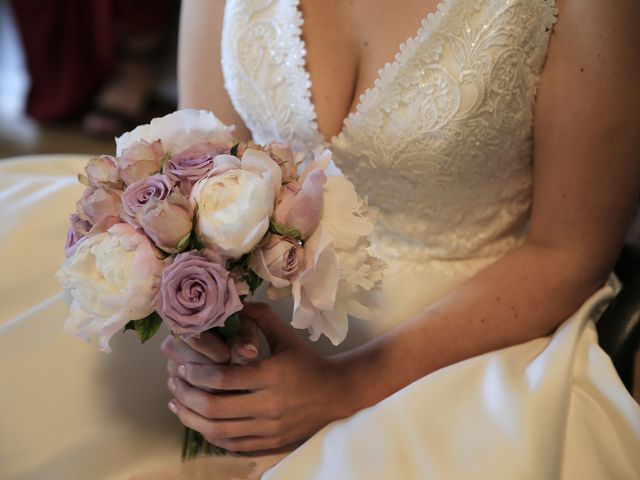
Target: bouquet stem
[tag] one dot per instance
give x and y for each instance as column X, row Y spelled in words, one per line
column 195, row 445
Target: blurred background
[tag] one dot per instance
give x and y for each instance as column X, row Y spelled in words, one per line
column 76, row 73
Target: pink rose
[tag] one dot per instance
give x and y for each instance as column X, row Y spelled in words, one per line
column 300, row 207
column 140, row 160
column 278, row 261
column 167, row 222
column 283, row 156
column 102, row 172
column 99, row 207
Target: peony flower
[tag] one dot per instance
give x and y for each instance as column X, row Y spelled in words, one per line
column 140, row 160
column 102, row 172
column 338, row 277
column 137, row 194
column 223, row 163
column 233, row 211
column 178, row 131
column 167, row 222
column 111, row 278
column 300, row 207
column 278, row 261
column 197, row 294
column 193, row 164
column 262, row 164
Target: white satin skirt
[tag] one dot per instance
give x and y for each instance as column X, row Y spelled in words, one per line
column 551, row 408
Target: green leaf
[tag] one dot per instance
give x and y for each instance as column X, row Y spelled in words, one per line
column 234, row 149
column 230, row 327
column 253, row 280
column 195, row 213
column 147, row 327
column 194, row 242
column 285, row 232
column 184, row 243
column 129, row 326
column 165, row 157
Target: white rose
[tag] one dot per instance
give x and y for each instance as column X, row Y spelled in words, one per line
column 110, row 279
column 233, row 211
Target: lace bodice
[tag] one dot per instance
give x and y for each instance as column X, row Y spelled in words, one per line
column 441, row 144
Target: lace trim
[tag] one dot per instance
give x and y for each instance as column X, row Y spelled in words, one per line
column 296, row 39
column 427, row 25
column 388, row 71
column 269, row 88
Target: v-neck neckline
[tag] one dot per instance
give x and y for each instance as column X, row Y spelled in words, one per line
column 426, row 26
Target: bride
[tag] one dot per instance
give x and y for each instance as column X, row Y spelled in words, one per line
column 500, row 219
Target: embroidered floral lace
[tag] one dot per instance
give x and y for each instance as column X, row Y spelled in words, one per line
column 441, row 144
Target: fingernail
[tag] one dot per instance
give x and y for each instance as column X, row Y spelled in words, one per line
column 172, row 385
column 182, row 370
column 249, row 349
column 173, row 407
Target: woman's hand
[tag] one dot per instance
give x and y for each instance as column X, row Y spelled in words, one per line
column 262, row 405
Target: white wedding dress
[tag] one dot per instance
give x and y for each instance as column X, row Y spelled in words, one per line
column 442, row 145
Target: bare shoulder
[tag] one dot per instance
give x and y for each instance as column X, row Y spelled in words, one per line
column 200, row 79
column 586, row 142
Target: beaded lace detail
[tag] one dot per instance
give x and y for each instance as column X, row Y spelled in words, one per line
column 441, row 144
column 264, row 70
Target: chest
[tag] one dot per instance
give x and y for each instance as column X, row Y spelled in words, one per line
column 347, row 43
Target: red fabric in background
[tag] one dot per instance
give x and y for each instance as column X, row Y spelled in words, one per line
column 70, row 47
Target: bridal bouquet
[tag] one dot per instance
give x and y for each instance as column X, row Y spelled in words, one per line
column 185, row 222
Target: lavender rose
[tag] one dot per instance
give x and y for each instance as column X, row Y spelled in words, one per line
column 137, row 194
column 196, row 294
column 140, row 160
column 192, row 164
column 77, row 231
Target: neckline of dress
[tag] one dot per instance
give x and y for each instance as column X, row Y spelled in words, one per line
column 426, row 26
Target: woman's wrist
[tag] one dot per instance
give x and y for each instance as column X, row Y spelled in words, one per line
column 358, row 385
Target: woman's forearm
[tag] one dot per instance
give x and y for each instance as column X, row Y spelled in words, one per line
column 524, row 295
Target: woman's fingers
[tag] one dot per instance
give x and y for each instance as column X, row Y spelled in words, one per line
column 244, row 344
column 218, row 405
column 172, row 368
column 211, row 346
column 278, row 334
column 176, row 350
column 223, row 377
column 238, row 434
